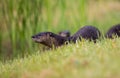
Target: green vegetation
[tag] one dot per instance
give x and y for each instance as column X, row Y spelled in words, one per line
column 81, row 60
column 22, row 58
column 20, row 19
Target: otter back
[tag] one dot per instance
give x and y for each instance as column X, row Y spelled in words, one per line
column 88, row 33
column 113, row 32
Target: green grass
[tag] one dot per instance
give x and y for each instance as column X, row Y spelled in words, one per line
column 20, row 19
column 22, row 58
column 81, row 60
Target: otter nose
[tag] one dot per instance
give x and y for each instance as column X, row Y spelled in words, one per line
column 33, row 36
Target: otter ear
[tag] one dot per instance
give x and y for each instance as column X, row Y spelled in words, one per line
column 51, row 34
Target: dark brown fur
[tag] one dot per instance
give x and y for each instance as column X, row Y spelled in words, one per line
column 113, row 32
column 87, row 32
column 64, row 33
column 50, row 39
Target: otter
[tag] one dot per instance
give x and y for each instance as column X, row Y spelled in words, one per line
column 64, row 33
column 113, row 32
column 50, row 39
column 90, row 33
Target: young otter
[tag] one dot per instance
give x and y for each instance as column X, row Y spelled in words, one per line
column 113, row 32
column 50, row 39
column 64, row 33
column 86, row 32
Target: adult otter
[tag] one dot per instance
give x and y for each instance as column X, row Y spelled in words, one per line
column 113, row 32
column 64, row 33
column 50, row 39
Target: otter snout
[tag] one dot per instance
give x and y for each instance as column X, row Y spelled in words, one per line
column 33, row 37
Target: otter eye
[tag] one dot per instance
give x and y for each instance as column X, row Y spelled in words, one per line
column 50, row 34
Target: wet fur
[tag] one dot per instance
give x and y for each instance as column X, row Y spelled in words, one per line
column 64, row 33
column 50, row 39
column 87, row 32
column 113, row 32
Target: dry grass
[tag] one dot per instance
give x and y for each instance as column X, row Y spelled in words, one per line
column 99, row 10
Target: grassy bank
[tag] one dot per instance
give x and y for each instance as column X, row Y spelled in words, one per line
column 81, row 60
column 20, row 19
column 22, row 58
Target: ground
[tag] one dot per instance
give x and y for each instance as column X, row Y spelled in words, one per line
column 83, row 59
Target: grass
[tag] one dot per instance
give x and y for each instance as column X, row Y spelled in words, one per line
column 21, row 58
column 81, row 60
column 21, row 19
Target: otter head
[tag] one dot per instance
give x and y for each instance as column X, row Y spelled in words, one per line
column 47, row 38
column 64, row 33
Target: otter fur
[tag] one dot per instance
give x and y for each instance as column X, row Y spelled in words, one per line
column 113, row 32
column 64, row 33
column 50, row 39
column 90, row 33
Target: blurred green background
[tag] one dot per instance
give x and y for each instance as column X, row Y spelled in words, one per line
column 20, row 19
